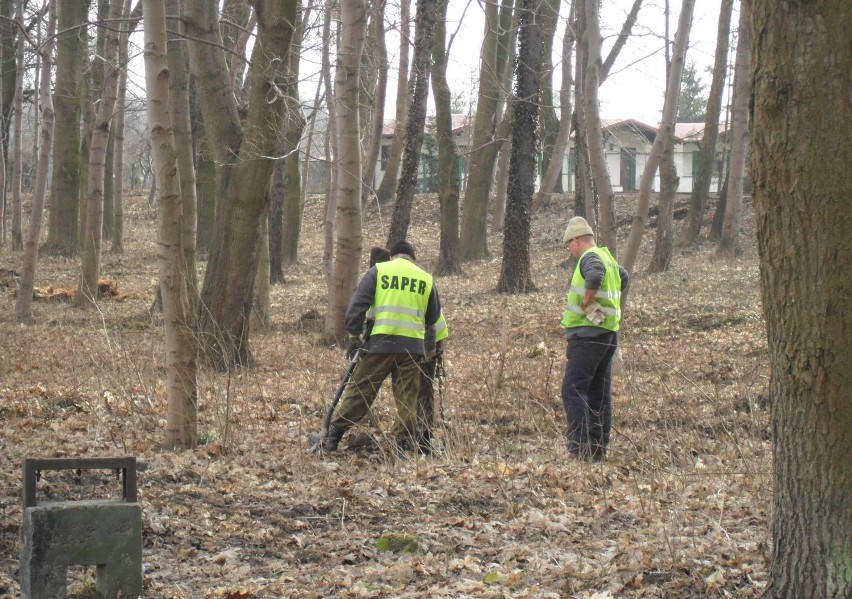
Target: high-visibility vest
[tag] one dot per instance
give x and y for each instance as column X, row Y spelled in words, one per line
column 608, row 296
column 442, row 331
column 401, row 298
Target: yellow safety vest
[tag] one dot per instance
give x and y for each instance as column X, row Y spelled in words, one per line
column 608, row 296
column 401, row 298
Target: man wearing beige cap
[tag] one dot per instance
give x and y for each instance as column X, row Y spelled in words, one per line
column 591, row 319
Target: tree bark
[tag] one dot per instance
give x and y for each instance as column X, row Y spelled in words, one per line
column 353, row 15
column 387, row 188
column 594, row 133
column 640, row 217
column 729, row 244
column 707, row 157
column 498, row 211
column 64, row 216
column 17, row 130
column 669, row 181
column 244, row 170
column 118, row 157
column 181, row 384
column 377, row 120
column 414, row 128
column 448, row 157
column 23, row 303
column 473, row 243
column 548, row 122
column 802, row 57
column 515, row 275
column 331, row 153
column 90, row 264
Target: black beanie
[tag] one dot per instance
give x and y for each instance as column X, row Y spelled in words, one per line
column 403, row 247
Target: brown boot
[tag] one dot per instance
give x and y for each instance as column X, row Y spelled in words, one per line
column 326, row 443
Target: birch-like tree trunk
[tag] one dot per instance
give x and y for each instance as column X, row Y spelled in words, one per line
column 707, row 157
column 802, row 57
column 353, row 16
column 675, row 73
column 515, row 274
column 63, row 234
column 90, row 264
column 414, row 129
column 729, row 244
column 501, row 185
column 448, row 157
column 377, row 120
column 473, row 243
column 387, row 188
column 118, row 156
column 331, row 152
column 181, row 384
column 23, row 303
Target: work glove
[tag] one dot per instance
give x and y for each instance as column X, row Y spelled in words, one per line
column 353, row 346
column 595, row 313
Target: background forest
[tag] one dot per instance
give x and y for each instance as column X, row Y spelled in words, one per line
column 188, row 190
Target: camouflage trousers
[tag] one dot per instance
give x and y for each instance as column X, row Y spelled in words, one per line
column 363, row 387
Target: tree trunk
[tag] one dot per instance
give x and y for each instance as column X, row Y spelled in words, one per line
column 17, row 130
column 640, row 217
column 473, row 243
column 261, row 304
column 353, row 15
column 448, row 157
column 414, row 128
column 178, row 59
column 548, row 122
column 8, row 34
column 331, row 153
column 205, row 176
column 387, row 188
column 118, row 157
column 181, row 385
column 802, row 59
column 669, row 181
column 554, row 164
column 294, row 125
column 244, row 172
column 498, row 211
column 515, row 275
column 594, row 133
column 729, row 244
column 621, row 40
column 23, row 303
column 90, row 263
column 371, row 154
column 64, row 216
column 707, row 158
column 276, row 224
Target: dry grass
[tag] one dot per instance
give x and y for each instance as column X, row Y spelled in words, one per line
column 679, row 510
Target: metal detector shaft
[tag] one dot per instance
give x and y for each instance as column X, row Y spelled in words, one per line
column 353, row 362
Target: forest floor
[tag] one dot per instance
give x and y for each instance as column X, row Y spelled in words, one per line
column 679, row 509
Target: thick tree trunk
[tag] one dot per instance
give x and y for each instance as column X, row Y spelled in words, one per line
column 205, row 177
column 802, row 57
column 181, row 385
column 414, row 128
column 331, row 153
column 245, row 171
column 448, row 158
column 729, row 244
column 515, row 275
column 548, row 122
column 353, row 14
column 23, row 303
column 387, row 188
column 473, row 243
column 707, row 157
column 294, row 125
column 64, row 216
column 501, row 185
column 8, row 34
column 17, row 146
column 90, row 263
column 640, row 217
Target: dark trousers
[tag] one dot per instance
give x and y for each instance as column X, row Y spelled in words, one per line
column 586, row 394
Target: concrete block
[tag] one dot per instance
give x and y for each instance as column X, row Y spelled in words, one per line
column 106, row 534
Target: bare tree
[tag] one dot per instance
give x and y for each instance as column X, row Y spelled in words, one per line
column 515, row 275
column 17, row 130
column 729, row 244
column 802, row 57
column 387, row 188
column 353, row 16
column 707, row 157
column 118, row 156
column 90, row 263
column 377, row 114
column 23, row 303
column 640, row 217
column 414, row 129
column 181, row 385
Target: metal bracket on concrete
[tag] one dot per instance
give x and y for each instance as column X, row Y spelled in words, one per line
column 32, row 468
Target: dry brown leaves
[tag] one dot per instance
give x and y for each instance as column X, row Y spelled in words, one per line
column 679, row 509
